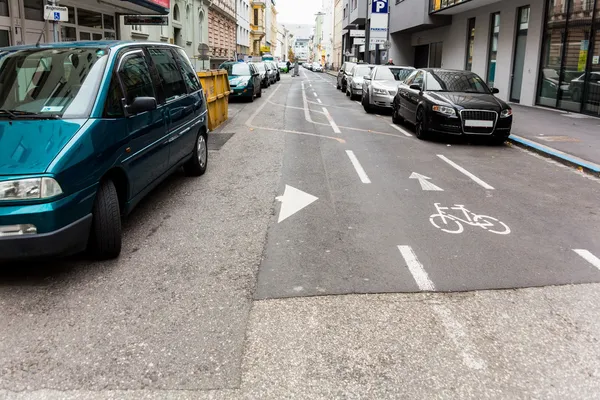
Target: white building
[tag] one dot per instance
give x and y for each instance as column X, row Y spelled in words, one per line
column 283, row 45
column 187, row 27
column 243, row 28
column 328, row 24
column 301, row 49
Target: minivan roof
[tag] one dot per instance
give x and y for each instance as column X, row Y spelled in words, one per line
column 84, row 44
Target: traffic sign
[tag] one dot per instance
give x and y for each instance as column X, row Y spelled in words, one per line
column 56, row 13
column 379, row 7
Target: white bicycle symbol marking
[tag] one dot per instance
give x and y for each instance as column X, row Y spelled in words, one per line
column 452, row 224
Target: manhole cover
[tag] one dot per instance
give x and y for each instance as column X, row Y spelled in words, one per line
column 217, row 140
column 558, row 139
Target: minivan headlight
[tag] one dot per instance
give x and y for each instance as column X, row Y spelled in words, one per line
column 29, row 189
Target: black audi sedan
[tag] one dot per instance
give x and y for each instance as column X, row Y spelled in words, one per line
column 451, row 102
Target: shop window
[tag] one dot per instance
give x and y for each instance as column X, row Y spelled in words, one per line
column 89, row 19
column 110, row 36
column 109, row 21
column 493, row 48
column 34, row 9
column 470, row 43
column 71, row 16
column 68, row 33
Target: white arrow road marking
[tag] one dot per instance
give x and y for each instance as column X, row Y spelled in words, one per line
column 589, row 257
column 467, row 173
column 424, row 181
column 292, row 201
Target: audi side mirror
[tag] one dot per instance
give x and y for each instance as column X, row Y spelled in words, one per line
column 414, row 86
column 495, row 90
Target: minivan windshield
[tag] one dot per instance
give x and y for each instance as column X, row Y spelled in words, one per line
column 240, row 69
column 50, row 83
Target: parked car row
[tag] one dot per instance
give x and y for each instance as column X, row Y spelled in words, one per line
column 433, row 100
column 88, row 130
column 247, row 80
column 313, row 66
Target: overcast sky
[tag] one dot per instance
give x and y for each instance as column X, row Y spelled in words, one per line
column 297, row 11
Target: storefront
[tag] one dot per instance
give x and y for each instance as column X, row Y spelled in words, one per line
column 22, row 21
column 570, row 62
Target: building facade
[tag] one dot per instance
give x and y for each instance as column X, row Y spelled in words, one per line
column 257, row 27
column 283, row 43
column 222, row 26
column 301, row 50
column 273, row 28
column 242, row 11
column 336, row 58
column 535, row 52
column 327, row 39
column 354, row 18
column 22, row 21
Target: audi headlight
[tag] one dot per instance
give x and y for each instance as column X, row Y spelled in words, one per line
column 380, row 91
column 506, row 113
column 29, row 189
column 449, row 111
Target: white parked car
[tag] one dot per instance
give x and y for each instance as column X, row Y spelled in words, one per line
column 316, row 67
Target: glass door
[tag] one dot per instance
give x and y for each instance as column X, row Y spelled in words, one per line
column 591, row 103
column 519, row 56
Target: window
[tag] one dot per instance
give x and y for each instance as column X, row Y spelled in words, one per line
column 354, row 5
column 470, row 43
column 135, row 75
column 176, row 13
column 493, row 48
column 113, row 107
column 455, row 81
column 89, row 19
column 190, row 77
column 256, row 16
column 34, row 9
column 168, row 71
column 4, row 8
column 109, row 21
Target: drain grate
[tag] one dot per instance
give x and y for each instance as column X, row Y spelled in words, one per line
column 217, row 140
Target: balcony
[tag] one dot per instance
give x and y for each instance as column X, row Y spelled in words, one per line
column 260, row 3
column 451, row 7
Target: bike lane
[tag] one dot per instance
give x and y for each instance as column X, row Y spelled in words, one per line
column 549, row 209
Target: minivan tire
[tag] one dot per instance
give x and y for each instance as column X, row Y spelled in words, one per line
column 194, row 166
column 105, row 236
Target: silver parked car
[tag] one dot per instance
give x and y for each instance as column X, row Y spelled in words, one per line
column 355, row 80
column 380, row 87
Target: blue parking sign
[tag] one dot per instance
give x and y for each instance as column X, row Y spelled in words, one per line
column 57, row 16
column 379, row 7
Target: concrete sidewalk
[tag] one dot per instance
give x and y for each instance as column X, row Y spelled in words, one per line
column 568, row 137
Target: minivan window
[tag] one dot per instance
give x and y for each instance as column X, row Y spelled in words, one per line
column 113, row 107
column 187, row 71
column 135, row 76
column 51, row 82
column 171, row 79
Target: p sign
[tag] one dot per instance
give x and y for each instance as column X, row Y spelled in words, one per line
column 379, row 7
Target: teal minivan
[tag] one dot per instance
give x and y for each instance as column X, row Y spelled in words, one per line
column 86, row 131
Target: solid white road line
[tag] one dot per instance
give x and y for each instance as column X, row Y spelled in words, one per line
column 359, row 169
column 589, row 257
column 315, row 93
column 319, row 100
column 336, row 129
column 467, row 173
column 416, row 269
column 401, row 130
column 305, row 104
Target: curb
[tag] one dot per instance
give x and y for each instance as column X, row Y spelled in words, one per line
column 557, row 155
column 332, row 73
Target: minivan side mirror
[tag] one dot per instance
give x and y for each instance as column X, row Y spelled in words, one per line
column 415, row 86
column 140, row 105
column 495, row 90
column 367, row 77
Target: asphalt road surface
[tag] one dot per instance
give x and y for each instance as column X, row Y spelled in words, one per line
column 327, row 253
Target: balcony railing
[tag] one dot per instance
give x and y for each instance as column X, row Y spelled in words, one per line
column 438, row 5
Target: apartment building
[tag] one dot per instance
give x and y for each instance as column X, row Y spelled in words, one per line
column 536, row 52
column 243, row 28
column 257, row 27
column 222, row 25
column 354, row 20
column 336, row 57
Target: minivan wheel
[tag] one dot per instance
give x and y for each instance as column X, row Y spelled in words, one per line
column 105, row 236
column 196, row 166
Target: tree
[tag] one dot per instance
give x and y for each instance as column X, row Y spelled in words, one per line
column 291, row 55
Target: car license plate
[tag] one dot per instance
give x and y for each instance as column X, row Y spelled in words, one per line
column 479, row 124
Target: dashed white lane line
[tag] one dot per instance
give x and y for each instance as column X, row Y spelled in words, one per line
column 319, row 100
column 589, row 257
column 467, row 173
column 401, row 130
column 336, row 129
column 359, row 169
column 455, row 331
column 416, row 269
